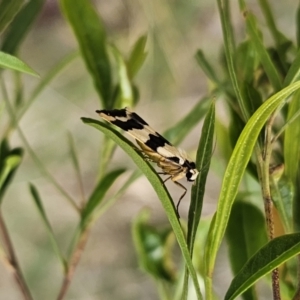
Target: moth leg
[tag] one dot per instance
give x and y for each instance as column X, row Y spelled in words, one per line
column 181, row 197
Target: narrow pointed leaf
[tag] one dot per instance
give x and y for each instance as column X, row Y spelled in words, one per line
column 91, row 36
column 98, row 194
column 229, row 46
column 21, row 25
column 8, row 9
column 137, row 56
column 263, row 262
column 154, row 248
column 9, row 163
column 293, row 73
column 125, row 98
column 236, row 168
column 11, row 62
column 261, row 50
column 292, row 141
column 158, row 186
column 204, row 155
column 206, row 67
column 246, row 233
column 38, row 202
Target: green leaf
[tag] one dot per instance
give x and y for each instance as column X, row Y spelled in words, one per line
column 265, row 59
column 292, row 141
column 278, row 37
column 91, row 36
column 137, row 56
column 204, row 154
column 178, row 132
column 282, row 191
column 293, row 73
column 21, row 25
column 154, row 248
column 38, row 202
column 10, row 161
column 298, row 26
column 263, row 262
column 158, row 186
column 76, row 165
column 8, row 10
column 135, row 175
column 229, row 46
column 125, row 93
column 98, row 194
column 246, row 233
column 247, row 62
column 235, row 171
column 206, row 67
column 8, row 61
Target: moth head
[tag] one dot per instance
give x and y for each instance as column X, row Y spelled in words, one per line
column 192, row 172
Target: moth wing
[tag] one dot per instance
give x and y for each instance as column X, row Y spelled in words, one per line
column 140, row 130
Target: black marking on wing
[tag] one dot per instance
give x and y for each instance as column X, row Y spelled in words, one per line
column 189, row 164
column 156, row 141
column 175, row 159
column 136, row 117
column 113, row 112
column 130, row 124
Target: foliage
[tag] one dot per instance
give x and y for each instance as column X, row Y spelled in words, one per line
column 259, row 86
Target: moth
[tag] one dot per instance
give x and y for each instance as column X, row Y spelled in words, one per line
column 155, row 148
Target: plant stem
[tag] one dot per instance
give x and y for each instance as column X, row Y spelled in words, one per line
column 73, row 263
column 264, row 176
column 12, row 261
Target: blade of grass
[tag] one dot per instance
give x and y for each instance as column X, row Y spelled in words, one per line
column 263, row 262
column 91, row 37
column 159, row 188
column 38, row 202
column 234, row 172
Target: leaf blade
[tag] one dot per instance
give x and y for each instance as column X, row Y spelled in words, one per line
column 158, row 186
column 235, row 170
column 11, row 62
column 263, row 262
column 91, row 37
